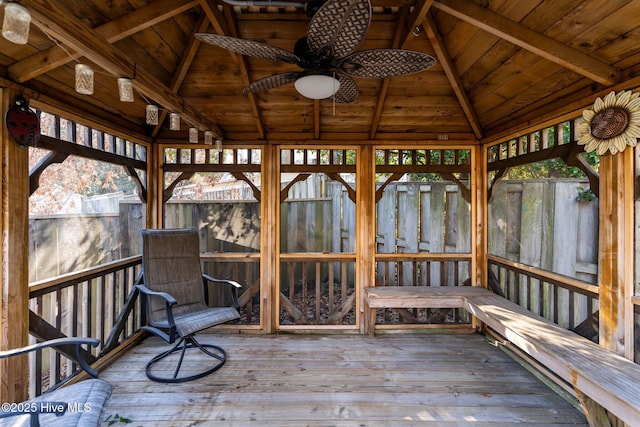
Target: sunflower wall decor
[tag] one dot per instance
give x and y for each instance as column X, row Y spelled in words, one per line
column 612, row 123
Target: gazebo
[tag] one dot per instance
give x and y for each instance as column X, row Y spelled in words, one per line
column 462, row 143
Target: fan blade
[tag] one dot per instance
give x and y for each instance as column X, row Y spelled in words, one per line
column 249, row 48
column 348, row 91
column 377, row 63
column 339, row 26
column 271, row 82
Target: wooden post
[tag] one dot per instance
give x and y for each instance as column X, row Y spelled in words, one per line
column 616, row 252
column 155, row 182
column 14, row 298
column 366, row 226
column 269, row 238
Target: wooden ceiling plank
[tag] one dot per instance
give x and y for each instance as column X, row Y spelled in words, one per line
column 54, row 19
column 437, row 43
column 185, row 63
column 244, row 72
column 530, row 40
column 384, row 90
column 113, row 31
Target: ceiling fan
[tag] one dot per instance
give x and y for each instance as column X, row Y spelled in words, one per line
column 326, row 54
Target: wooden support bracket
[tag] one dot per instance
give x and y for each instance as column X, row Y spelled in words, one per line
column 34, row 174
column 168, row 192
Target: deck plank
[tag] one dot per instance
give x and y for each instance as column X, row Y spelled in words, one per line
column 293, row 380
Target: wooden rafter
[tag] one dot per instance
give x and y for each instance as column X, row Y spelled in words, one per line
column 454, row 79
column 244, row 72
column 420, row 11
column 185, row 63
column 56, row 21
column 384, row 89
column 113, row 31
column 530, row 40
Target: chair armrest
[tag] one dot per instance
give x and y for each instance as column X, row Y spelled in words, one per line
column 234, row 288
column 229, row 282
column 170, row 302
column 148, row 292
column 55, row 343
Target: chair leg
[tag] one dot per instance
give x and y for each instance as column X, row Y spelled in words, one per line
column 182, row 346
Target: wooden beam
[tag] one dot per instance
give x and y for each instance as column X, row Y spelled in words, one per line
column 530, row 40
column 53, row 19
column 116, row 30
column 447, row 65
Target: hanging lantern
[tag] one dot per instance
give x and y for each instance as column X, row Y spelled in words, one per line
column 193, row 135
column 208, row 137
column 219, row 145
column 15, row 26
column 84, row 79
column 125, row 89
column 152, row 114
column 174, row 121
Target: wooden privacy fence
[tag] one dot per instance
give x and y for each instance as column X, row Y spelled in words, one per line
column 427, row 219
column 543, row 242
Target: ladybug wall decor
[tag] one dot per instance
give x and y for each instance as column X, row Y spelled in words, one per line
column 22, row 123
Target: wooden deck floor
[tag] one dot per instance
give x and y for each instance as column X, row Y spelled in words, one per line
column 302, row 380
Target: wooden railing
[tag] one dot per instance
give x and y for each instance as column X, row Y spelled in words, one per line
column 423, row 269
column 85, row 303
column 317, row 289
column 565, row 301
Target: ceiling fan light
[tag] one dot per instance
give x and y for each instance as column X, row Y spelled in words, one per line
column 317, row 85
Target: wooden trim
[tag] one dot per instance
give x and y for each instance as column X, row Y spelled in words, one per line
column 566, row 282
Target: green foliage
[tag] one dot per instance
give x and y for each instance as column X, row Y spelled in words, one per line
column 113, row 419
column 585, row 195
column 553, row 168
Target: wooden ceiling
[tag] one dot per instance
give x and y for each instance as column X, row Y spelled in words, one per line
column 500, row 64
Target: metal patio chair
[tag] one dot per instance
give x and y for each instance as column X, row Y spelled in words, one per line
column 174, row 296
column 78, row 404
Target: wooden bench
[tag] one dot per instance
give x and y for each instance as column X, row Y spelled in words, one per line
column 600, row 378
column 596, row 374
column 417, row 297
